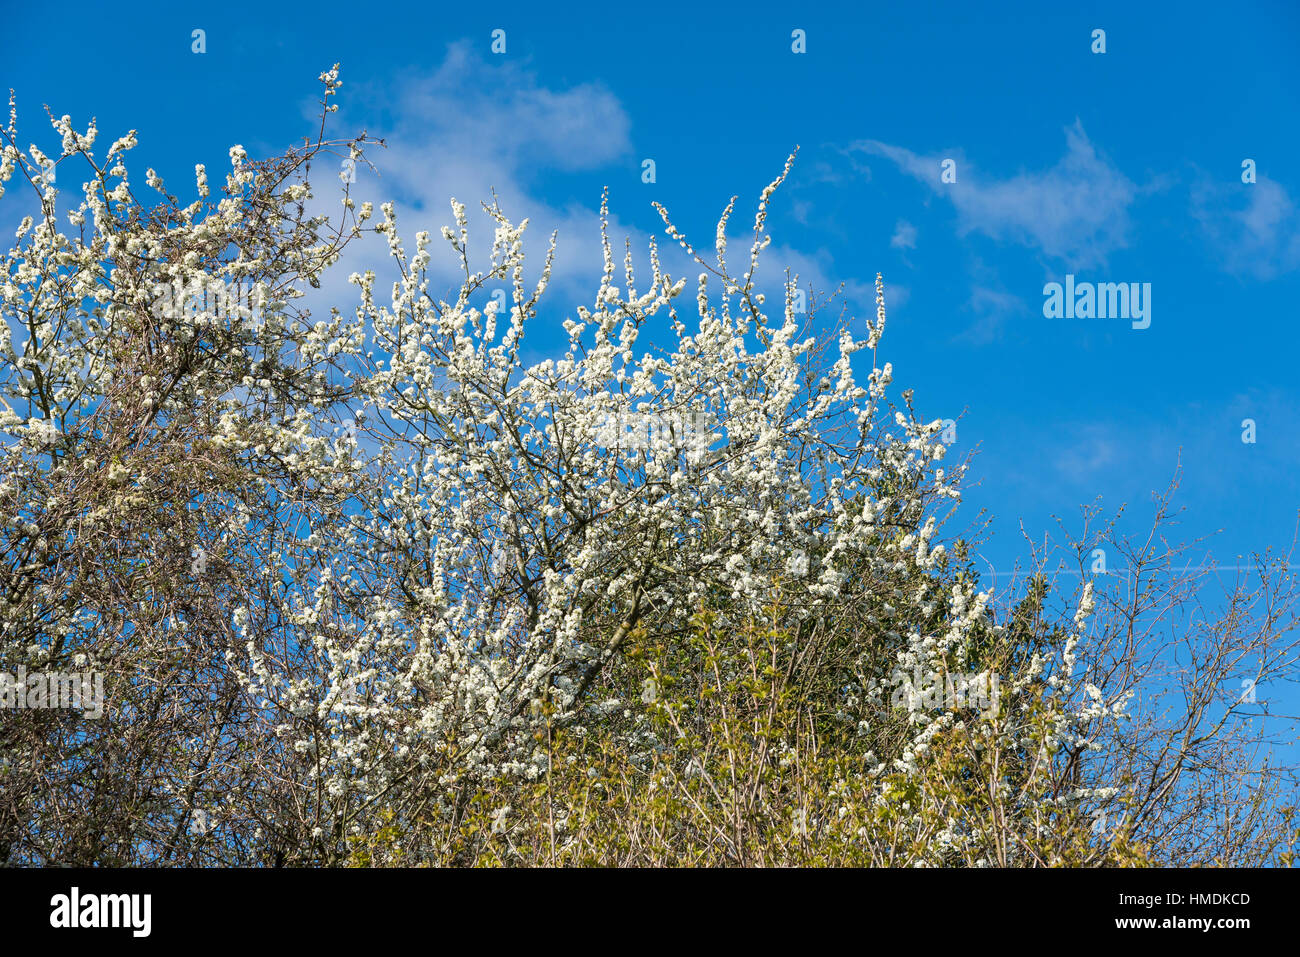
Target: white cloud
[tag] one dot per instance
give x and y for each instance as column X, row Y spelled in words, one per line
column 475, row 125
column 904, row 236
column 1077, row 211
column 1254, row 228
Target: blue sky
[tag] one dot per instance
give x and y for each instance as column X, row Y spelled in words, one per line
column 1116, row 167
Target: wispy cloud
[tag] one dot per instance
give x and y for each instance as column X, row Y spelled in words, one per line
column 992, row 308
column 1254, row 228
column 904, row 236
column 474, row 126
column 1077, row 211
column 1089, row 449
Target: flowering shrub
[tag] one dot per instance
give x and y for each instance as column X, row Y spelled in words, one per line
column 730, row 756
column 369, row 589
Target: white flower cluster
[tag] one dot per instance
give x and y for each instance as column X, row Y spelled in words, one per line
column 420, row 607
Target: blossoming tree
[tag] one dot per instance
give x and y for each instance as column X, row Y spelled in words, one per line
column 368, row 580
